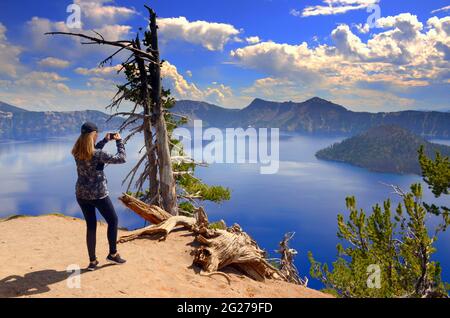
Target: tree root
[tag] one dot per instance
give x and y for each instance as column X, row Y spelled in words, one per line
column 163, row 228
column 218, row 248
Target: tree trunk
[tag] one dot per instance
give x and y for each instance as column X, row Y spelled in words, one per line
column 166, row 178
column 151, row 213
column 148, row 134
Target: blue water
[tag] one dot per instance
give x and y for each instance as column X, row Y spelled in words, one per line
column 38, row 177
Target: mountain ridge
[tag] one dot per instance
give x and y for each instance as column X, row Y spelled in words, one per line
column 8, row 108
column 19, row 123
column 315, row 115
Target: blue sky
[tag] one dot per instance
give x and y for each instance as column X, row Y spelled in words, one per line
column 230, row 52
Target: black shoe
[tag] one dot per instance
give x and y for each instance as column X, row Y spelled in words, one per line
column 92, row 265
column 115, row 259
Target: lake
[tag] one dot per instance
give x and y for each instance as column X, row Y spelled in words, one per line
column 305, row 196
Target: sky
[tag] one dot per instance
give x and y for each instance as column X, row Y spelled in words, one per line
column 367, row 55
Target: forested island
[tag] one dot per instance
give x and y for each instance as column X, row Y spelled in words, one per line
column 386, row 148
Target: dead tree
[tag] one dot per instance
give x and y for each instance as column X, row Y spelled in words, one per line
column 286, row 262
column 143, row 70
column 151, row 169
column 219, row 247
column 166, row 178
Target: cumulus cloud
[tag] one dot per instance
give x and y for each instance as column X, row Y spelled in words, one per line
column 9, row 55
column 212, row 36
column 348, row 43
column 69, row 47
column 53, row 62
column 280, row 60
column 97, row 13
column 404, row 54
column 40, row 80
column 332, row 7
column 182, row 89
column 42, row 91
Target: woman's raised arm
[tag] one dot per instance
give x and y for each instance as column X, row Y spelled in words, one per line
column 120, row 157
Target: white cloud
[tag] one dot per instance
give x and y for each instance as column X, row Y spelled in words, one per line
column 101, row 83
column 179, row 86
column 332, row 7
column 444, row 9
column 348, row 43
column 9, row 55
column 97, row 13
column 43, row 80
column 53, row 62
column 253, row 39
column 42, row 91
column 99, row 71
column 362, row 28
column 403, row 55
column 212, row 36
column 69, row 47
column 279, row 89
column 182, row 89
column 282, row 60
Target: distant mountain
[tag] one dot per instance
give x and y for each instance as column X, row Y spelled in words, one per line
column 211, row 115
column 383, row 149
column 18, row 123
column 315, row 115
column 7, row 108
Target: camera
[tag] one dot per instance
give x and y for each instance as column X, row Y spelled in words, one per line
column 111, row 135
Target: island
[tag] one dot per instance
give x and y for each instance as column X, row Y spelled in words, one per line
column 386, row 148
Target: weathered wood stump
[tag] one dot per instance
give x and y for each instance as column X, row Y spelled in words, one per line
column 219, row 248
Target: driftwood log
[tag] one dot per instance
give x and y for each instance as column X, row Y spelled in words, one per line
column 218, row 247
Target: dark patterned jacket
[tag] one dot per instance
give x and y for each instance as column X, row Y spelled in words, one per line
column 91, row 182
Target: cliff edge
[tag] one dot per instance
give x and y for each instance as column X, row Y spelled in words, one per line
column 38, row 250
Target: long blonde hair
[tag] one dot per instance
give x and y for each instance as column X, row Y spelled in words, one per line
column 84, row 146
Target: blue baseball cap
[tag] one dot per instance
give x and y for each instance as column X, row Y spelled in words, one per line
column 88, row 127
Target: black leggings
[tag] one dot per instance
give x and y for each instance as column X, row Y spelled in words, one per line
column 106, row 209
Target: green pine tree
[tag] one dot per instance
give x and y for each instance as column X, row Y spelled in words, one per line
column 398, row 244
column 191, row 190
column 436, row 173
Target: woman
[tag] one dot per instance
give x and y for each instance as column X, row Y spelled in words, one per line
column 91, row 189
